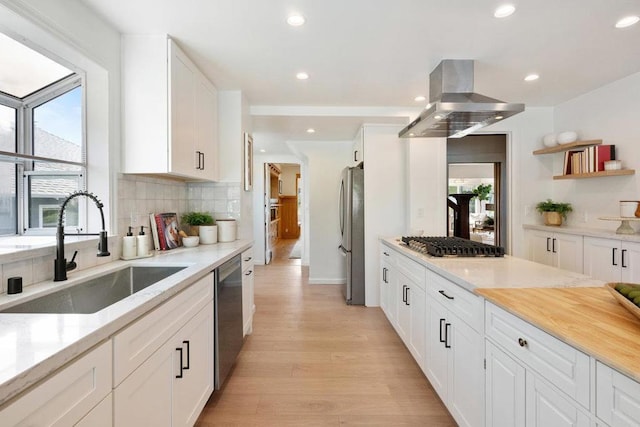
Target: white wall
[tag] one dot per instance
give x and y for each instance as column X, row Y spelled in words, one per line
column 288, row 177
column 321, row 177
column 609, row 113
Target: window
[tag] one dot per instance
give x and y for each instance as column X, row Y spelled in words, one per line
column 42, row 148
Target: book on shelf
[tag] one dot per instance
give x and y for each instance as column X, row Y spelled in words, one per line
column 604, row 153
column 589, row 160
column 165, row 231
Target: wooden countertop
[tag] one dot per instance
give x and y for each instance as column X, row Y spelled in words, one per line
column 589, row 319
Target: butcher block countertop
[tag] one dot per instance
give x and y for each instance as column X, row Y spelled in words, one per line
column 589, row 319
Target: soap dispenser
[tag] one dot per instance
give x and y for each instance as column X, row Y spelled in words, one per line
column 143, row 243
column 129, row 245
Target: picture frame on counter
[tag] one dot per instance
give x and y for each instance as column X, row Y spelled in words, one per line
column 248, row 162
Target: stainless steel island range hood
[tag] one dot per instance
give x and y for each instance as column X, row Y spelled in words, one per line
column 454, row 110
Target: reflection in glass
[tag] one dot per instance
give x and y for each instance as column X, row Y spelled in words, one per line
column 7, row 129
column 57, row 127
column 46, row 193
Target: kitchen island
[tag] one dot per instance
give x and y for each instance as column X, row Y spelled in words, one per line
column 33, row 346
column 508, row 339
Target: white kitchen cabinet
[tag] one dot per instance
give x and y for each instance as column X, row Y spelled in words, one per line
column 454, row 357
column 388, row 300
column 357, row 150
column 617, row 397
column 170, row 111
column 612, row 260
column 504, row 389
column 172, row 386
column 248, row 282
column 547, row 407
column 66, row 397
column 559, row 250
column 100, row 416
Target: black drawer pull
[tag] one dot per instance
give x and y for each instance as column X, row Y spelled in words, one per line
column 248, row 273
column 248, row 259
column 522, row 342
column 441, row 292
column 385, row 254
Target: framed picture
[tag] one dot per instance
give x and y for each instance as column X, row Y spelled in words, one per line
column 248, row 162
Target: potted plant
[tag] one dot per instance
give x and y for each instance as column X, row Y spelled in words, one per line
column 553, row 212
column 482, row 191
column 201, row 224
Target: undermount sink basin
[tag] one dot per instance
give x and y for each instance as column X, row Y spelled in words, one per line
column 95, row 294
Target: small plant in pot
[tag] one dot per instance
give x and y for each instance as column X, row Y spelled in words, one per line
column 195, row 220
column 553, row 212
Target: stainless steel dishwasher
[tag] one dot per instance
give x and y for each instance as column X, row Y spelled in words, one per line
column 228, row 318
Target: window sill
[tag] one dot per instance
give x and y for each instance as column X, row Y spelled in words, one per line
column 17, row 248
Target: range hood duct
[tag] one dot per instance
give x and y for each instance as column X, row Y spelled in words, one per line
column 454, row 110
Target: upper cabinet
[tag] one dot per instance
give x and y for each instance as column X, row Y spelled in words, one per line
column 357, row 151
column 170, row 111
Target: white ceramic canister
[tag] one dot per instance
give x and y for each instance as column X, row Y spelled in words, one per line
column 628, row 208
column 226, row 230
column 208, row 234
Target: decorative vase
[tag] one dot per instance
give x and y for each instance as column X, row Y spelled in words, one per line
column 208, row 234
column 227, row 229
column 552, row 218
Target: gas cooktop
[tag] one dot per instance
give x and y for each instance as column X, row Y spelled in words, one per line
column 452, row 246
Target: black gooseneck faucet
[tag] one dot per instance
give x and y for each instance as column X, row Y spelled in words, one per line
column 60, row 264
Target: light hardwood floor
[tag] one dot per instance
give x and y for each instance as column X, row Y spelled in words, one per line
column 314, row 361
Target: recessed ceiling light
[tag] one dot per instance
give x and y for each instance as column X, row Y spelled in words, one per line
column 295, row 20
column 504, row 11
column 499, row 117
column 302, row 76
column 429, row 105
column 419, row 98
column 627, row 21
column 531, row 77
column 262, row 150
column 437, row 117
column 311, row 130
column 412, row 134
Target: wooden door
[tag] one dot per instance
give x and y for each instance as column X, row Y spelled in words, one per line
column 289, row 217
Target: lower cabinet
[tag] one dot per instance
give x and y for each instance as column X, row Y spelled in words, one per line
column 173, row 385
column 411, row 316
column 388, row 301
column 248, row 282
column 617, row 397
column 454, row 359
column 69, row 396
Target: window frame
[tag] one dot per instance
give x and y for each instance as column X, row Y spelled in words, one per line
column 25, row 160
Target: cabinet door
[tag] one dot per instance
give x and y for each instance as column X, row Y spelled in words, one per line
column 144, row 397
column 357, row 151
column 182, row 83
column 100, row 416
column 403, row 323
column 617, row 397
column 247, row 299
column 192, row 390
column 466, row 373
column 417, row 335
column 546, row 407
column 504, row 390
column 568, row 251
column 206, row 146
column 436, row 353
column 630, row 262
column 602, row 258
column 387, row 290
column 539, row 243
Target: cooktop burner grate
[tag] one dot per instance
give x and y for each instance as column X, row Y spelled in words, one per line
column 452, row 246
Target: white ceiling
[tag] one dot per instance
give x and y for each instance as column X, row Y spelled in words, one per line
column 379, row 53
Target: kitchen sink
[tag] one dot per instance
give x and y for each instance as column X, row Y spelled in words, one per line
column 95, row 294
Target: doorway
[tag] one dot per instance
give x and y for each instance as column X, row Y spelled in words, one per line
column 477, row 191
column 282, row 213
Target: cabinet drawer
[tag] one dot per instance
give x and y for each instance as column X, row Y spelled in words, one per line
column 465, row 305
column 414, row 271
column 137, row 342
column 559, row 363
column 247, row 259
column 388, row 254
column 617, row 397
column 64, row 398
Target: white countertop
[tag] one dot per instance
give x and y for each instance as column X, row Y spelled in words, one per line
column 34, row 345
column 495, row 272
column 591, row 232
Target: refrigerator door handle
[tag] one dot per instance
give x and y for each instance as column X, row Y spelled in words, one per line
column 342, row 208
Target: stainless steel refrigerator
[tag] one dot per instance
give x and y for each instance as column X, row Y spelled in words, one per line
column 352, row 230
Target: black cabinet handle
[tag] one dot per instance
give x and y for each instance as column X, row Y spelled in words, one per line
column 441, row 322
column 248, row 259
column 248, row 273
column 613, row 256
column 404, row 294
column 180, row 350
column 385, row 254
column 446, row 335
column 624, row 251
column 384, row 274
column 553, row 245
column 355, row 156
column 548, row 239
column 441, row 292
column 522, row 342
column 188, row 356
column 198, row 159
column 407, row 298
column 202, row 165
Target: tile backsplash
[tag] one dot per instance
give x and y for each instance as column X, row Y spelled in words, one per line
column 137, row 197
